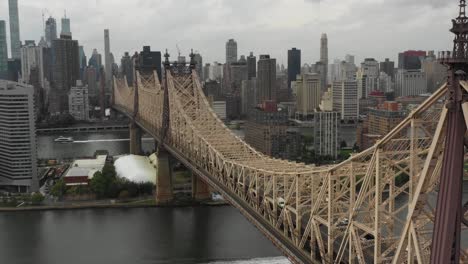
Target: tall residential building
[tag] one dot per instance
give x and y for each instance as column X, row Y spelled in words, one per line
column 324, row 59
column 411, row 59
column 326, row 133
column 32, row 57
column 231, row 51
column 50, row 31
column 345, row 99
column 3, row 51
column 266, row 79
column 308, row 93
column 410, row 83
column 294, row 65
column 388, row 67
column 108, row 60
column 66, row 28
column 248, row 96
column 15, row 41
column 252, row 66
column 126, row 64
column 66, row 70
column 199, row 65
column 18, row 153
column 78, row 101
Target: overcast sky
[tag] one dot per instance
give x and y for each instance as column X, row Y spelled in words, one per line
column 365, row 28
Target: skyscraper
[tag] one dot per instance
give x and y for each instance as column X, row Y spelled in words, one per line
column 50, row 31
column 66, row 70
column 252, row 66
column 107, row 58
column 3, row 51
column 266, row 80
column 18, row 153
column 14, row 29
column 231, row 51
column 294, row 65
column 66, row 29
column 324, row 59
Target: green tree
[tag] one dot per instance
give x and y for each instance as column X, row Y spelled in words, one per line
column 105, row 184
column 37, row 199
column 59, row 189
column 99, row 184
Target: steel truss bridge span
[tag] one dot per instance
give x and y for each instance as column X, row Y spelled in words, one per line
column 358, row 211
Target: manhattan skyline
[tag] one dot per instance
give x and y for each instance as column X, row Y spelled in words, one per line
column 365, row 28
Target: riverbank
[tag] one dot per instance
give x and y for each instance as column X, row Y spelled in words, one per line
column 100, row 205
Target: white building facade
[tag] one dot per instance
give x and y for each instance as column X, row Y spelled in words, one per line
column 18, row 153
column 345, row 99
column 410, row 83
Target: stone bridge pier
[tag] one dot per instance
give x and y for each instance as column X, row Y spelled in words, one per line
column 135, row 139
column 164, row 162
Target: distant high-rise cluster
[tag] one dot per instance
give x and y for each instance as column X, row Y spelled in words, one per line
column 306, row 101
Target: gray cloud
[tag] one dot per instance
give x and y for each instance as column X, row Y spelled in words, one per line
column 366, row 28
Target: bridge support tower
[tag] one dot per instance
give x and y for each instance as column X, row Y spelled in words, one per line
column 135, row 139
column 164, row 194
column 200, row 190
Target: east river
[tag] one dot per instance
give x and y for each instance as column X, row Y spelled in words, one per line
column 151, row 235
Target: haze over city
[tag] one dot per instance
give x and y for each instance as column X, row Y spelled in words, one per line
column 365, row 28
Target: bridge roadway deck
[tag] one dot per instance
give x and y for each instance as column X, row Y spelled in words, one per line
column 285, row 245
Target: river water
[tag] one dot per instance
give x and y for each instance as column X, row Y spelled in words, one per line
column 152, row 235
